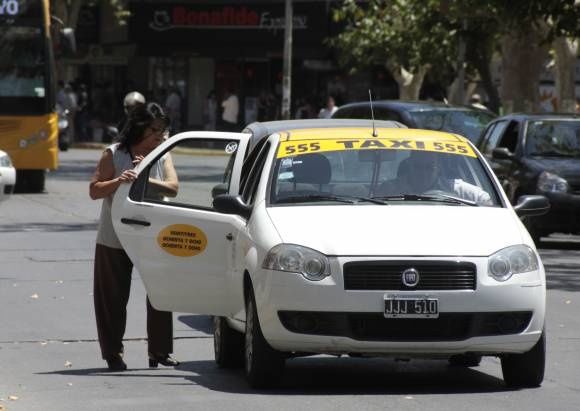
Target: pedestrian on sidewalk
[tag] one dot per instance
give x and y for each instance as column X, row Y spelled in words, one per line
column 143, row 132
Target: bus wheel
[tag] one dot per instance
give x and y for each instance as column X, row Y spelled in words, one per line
column 29, row 181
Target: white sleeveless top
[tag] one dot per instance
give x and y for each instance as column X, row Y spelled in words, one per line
column 122, row 161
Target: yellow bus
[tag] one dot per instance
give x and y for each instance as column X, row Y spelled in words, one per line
column 28, row 118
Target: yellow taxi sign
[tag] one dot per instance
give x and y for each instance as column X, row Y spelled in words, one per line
column 317, row 141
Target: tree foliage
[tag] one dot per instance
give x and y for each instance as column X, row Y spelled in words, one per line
column 393, row 31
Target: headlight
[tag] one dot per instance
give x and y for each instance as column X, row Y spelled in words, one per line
column 292, row 258
column 549, row 182
column 5, row 161
column 512, row 260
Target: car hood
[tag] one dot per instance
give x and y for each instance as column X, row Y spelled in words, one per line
column 564, row 167
column 393, row 230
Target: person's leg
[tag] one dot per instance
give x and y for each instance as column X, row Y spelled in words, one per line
column 159, row 336
column 159, row 330
column 112, row 285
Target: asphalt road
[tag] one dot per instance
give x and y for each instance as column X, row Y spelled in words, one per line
column 49, row 356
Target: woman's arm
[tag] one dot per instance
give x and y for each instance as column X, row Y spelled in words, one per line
column 169, row 185
column 103, row 183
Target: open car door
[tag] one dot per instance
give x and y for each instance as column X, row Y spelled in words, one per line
column 180, row 245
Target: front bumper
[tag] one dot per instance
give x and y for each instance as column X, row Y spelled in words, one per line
column 297, row 315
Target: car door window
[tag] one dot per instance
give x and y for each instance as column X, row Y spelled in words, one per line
column 494, row 137
column 386, row 114
column 509, row 139
column 203, row 168
column 249, row 190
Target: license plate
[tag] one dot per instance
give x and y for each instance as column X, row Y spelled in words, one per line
column 411, row 307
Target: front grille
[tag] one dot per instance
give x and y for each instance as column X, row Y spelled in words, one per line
column 374, row 326
column 386, row 275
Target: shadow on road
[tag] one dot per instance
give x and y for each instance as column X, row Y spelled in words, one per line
column 326, row 375
column 201, row 323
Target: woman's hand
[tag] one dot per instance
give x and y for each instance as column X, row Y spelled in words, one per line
column 138, row 158
column 127, row 176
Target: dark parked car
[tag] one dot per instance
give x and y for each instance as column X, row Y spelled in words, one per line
column 539, row 154
column 466, row 121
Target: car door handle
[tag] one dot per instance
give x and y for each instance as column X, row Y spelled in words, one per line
column 132, row 221
column 229, row 236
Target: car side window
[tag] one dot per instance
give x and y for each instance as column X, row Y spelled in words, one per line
column 189, row 174
column 493, row 139
column 251, row 186
column 509, row 139
column 386, row 114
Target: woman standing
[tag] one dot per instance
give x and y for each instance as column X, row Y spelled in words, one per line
column 143, row 132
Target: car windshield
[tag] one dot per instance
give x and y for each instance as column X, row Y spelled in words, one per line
column 385, row 171
column 558, row 138
column 468, row 123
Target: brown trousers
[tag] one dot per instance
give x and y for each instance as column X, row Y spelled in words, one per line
column 112, row 285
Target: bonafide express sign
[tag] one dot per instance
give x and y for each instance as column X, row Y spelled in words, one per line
column 227, row 27
column 225, row 17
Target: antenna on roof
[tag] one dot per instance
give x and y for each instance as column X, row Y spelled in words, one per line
column 372, row 114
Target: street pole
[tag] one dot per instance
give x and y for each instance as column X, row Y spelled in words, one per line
column 287, row 65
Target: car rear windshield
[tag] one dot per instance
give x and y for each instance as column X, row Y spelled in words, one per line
column 311, row 171
column 468, row 123
column 555, row 138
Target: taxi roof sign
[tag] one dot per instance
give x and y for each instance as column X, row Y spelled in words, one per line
column 297, row 142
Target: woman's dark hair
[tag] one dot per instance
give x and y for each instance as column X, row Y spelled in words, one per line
column 141, row 117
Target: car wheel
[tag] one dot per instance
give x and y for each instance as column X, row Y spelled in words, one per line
column 228, row 344
column 465, row 360
column 525, row 370
column 264, row 365
column 30, row 181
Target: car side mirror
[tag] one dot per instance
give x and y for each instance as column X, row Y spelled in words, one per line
column 502, row 153
column 219, row 189
column 228, row 204
column 535, row 205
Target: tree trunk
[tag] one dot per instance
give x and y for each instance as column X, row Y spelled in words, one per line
column 522, row 61
column 565, row 51
column 409, row 83
column 482, row 65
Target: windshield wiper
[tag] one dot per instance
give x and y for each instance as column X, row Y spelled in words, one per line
column 328, row 197
column 442, row 198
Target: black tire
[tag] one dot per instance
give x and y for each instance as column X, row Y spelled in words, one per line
column 525, row 370
column 30, row 181
column 465, row 360
column 263, row 365
column 228, row 344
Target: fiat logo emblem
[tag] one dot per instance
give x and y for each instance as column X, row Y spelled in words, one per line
column 410, row 277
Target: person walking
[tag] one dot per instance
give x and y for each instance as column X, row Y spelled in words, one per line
column 210, row 111
column 131, row 100
column 328, row 111
column 173, row 107
column 231, row 108
column 143, row 132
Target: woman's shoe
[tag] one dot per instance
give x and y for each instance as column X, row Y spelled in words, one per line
column 116, row 364
column 163, row 359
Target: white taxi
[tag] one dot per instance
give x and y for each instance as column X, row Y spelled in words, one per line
column 361, row 241
column 7, row 176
